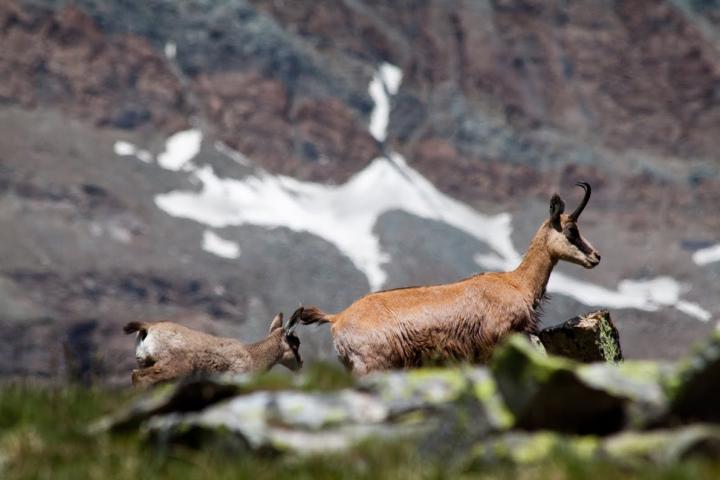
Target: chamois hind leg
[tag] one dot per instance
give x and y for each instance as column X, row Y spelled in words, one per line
column 358, row 367
column 144, row 377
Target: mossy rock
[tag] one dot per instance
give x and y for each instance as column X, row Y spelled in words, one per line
column 531, row 448
column 555, row 393
column 663, row 446
column 196, row 393
column 283, row 421
column 694, row 389
column 438, row 388
column 626, row 449
column 588, row 338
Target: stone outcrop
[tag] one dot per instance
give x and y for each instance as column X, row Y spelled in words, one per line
column 588, row 338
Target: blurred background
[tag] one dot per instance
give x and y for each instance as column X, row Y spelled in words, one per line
column 214, row 162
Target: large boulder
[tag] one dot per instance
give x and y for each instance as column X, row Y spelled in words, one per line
column 587, row 338
column 550, row 392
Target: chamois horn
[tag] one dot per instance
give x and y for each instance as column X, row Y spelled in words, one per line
column 585, row 186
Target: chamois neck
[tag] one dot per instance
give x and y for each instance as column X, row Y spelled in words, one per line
column 266, row 352
column 534, row 271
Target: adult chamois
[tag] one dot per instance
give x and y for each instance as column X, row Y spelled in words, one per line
column 458, row 321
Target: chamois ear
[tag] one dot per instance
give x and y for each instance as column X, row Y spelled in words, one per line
column 276, row 322
column 557, row 207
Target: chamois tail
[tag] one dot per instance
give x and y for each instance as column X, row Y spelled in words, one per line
column 133, row 327
column 310, row 315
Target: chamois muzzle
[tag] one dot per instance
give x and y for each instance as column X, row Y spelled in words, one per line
column 585, row 186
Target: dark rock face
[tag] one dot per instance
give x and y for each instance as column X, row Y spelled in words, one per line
column 63, row 59
column 536, row 389
column 588, row 338
column 501, row 103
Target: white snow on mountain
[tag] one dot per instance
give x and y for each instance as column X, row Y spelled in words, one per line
column 215, row 244
column 706, row 256
column 126, row 149
column 384, row 83
column 180, row 149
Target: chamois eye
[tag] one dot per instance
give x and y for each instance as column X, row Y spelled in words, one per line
column 572, row 233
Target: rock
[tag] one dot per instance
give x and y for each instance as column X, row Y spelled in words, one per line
column 629, row 448
column 524, row 448
column 284, row 421
column 694, row 389
column 550, row 392
column 663, row 446
column 588, row 338
column 537, row 343
column 197, row 393
column 272, row 412
column 184, row 396
column 431, row 388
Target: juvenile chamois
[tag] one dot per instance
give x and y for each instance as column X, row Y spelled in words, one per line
column 167, row 350
column 459, row 321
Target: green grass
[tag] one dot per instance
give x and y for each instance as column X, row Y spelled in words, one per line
column 42, row 435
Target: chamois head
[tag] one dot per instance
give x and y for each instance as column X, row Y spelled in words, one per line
column 290, row 342
column 564, row 239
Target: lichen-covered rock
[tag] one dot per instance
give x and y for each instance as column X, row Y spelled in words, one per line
column 588, row 338
column 196, row 393
column 694, row 389
column 550, row 392
column 185, row 396
column 279, row 413
column 525, row 448
column 631, row 448
column 285, row 421
column 663, row 446
column 537, row 343
column 404, row 391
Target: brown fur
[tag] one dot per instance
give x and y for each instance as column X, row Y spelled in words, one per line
column 459, row 321
column 167, row 350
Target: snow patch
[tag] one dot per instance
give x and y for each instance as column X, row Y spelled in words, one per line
column 127, row 149
column 344, row 215
column 219, row 246
column 648, row 295
column 384, row 83
column 170, row 50
column 180, row 149
column 234, row 155
column 708, row 255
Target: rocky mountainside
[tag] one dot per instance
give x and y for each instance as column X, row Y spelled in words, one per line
column 217, row 162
